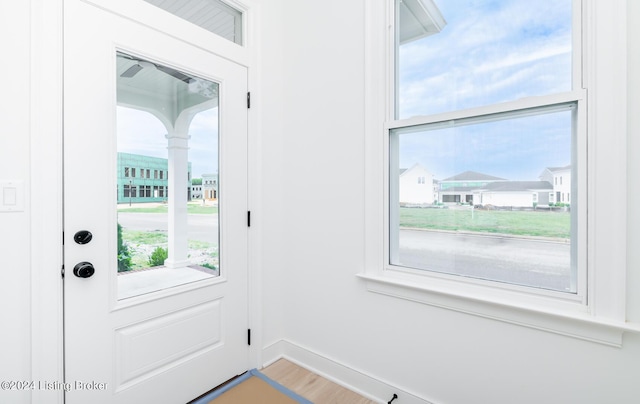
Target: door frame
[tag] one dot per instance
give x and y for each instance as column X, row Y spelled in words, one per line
column 46, row 134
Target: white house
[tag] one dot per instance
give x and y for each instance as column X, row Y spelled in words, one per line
column 560, row 179
column 416, row 186
column 210, row 186
column 308, row 276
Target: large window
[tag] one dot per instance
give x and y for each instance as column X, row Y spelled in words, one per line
column 487, row 103
column 492, row 102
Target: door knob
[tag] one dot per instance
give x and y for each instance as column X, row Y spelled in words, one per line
column 84, row 270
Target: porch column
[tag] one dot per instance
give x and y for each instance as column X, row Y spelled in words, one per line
column 177, row 182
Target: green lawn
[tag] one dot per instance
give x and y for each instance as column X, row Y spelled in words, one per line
column 155, row 238
column 142, row 243
column 542, row 224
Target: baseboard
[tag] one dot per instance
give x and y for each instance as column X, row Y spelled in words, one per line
column 355, row 380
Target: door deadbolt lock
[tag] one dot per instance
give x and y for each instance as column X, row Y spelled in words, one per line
column 84, row 270
column 83, row 237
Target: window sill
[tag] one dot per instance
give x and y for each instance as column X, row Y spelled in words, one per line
column 571, row 323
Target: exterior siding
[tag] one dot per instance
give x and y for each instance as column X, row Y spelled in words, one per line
column 416, row 186
column 144, row 179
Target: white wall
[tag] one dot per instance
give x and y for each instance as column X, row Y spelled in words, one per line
column 317, row 245
column 274, row 173
column 14, row 226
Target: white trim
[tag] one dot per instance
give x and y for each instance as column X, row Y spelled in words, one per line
column 46, row 198
column 601, row 316
column 507, row 308
column 356, row 380
column 377, row 109
column 157, row 19
column 607, row 83
column 519, row 108
column 253, row 19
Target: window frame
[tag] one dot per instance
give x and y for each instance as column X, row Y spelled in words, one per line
column 599, row 314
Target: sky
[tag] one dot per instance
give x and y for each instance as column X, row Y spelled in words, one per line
column 140, row 132
column 490, row 51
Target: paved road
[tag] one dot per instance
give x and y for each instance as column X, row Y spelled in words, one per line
column 509, row 259
column 201, row 227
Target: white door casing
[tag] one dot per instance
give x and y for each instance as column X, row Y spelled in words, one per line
column 171, row 345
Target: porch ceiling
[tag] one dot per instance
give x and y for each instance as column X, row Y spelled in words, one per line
column 162, row 91
column 418, row 19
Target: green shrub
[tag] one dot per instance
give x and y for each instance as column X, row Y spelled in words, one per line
column 158, row 256
column 124, row 254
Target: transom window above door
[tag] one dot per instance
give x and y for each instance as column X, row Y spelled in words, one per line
column 213, row 15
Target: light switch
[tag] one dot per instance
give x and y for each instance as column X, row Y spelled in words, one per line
column 9, row 196
column 12, row 196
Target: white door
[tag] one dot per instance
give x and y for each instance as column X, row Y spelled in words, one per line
column 155, row 285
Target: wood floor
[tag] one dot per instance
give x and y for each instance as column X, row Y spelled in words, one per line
column 311, row 386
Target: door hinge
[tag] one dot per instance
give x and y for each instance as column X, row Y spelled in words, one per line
column 248, row 218
column 248, row 100
column 249, row 336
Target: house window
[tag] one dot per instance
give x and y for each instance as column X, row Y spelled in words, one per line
column 126, row 171
column 485, row 116
column 161, row 174
column 598, row 60
column 127, row 191
column 134, row 192
column 450, row 198
column 145, row 191
column 155, row 174
column 133, row 172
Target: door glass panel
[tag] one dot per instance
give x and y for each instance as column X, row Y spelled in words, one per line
column 213, row 15
column 167, row 177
